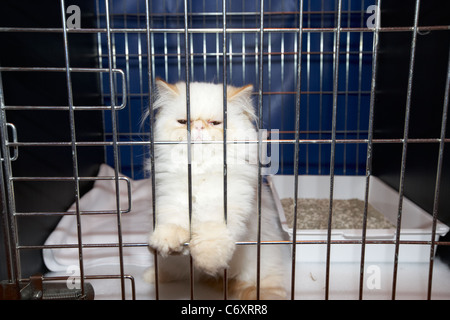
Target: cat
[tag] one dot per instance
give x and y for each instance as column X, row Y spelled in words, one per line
column 212, row 240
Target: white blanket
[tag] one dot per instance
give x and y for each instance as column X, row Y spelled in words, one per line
column 102, row 228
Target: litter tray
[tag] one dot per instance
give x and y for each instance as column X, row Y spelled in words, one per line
column 416, row 223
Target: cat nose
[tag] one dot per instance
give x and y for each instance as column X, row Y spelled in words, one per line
column 198, row 125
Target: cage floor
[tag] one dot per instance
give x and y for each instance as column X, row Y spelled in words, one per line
column 412, row 283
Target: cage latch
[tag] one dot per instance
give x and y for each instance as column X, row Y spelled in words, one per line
column 37, row 289
column 14, row 140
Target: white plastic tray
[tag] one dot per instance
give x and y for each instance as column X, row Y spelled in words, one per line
column 416, row 223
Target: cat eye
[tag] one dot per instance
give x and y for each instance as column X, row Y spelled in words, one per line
column 215, row 123
column 181, row 121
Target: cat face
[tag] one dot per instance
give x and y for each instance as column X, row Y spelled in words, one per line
column 206, row 111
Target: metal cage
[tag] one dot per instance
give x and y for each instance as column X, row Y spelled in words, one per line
column 344, row 87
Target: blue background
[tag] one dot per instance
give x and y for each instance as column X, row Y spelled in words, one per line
column 280, row 72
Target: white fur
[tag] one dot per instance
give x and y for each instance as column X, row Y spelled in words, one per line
column 211, row 239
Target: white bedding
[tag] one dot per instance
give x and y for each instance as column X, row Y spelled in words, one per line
column 102, row 228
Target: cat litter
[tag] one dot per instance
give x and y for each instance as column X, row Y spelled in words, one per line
column 347, row 214
column 348, row 208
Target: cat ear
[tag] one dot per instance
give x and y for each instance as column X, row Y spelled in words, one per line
column 166, row 88
column 242, row 92
column 241, row 97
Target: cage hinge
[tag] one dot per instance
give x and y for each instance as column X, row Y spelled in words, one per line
column 37, row 289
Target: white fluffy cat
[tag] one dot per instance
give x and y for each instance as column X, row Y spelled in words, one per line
column 211, row 239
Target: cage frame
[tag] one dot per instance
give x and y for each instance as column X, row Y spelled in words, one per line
column 9, row 213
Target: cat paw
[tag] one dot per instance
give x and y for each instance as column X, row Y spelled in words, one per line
column 211, row 247
column 169, row 239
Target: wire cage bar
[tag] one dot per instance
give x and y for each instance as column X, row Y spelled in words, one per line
column 315, row 69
